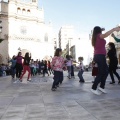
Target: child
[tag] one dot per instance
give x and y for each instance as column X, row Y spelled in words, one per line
column 94, row 70
column 69, row 64
column 57, row 65
column 81, row 70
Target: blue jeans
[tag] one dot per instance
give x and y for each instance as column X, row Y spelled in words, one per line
column 80, row 75
column 102, row 71
column 13, row 71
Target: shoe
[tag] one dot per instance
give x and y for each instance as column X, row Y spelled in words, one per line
column 57, row 85
column 102, row 90
column 95, row 92
column 81, row 81
column 17, row 81
column 112, row 82
column 20, row 80
column 28, row 80
column 53, row 89
column 69, row 77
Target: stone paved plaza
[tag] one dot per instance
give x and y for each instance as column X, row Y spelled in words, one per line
column 72, row 100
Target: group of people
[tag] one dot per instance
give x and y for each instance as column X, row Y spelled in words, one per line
column 100, row 54
column 20, row 64
column 4, row 70
column 58, row 64
column 99, row 62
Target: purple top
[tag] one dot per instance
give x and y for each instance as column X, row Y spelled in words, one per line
column 100, row 46
column 19, row 59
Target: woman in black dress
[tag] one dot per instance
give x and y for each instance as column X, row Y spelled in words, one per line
column 113, row 62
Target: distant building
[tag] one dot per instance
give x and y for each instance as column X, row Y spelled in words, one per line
column 55, row 39
column 66, row 35
column 81, row 47
column 24, row 29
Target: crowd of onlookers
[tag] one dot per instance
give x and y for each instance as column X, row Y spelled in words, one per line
column 4, row 70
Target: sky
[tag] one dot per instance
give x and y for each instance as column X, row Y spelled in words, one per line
column 82, row 14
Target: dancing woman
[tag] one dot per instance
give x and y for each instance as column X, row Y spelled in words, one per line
column 57, row 65
column 98, row 42
column 19, row 66
column 26, row 66
column 113, row 62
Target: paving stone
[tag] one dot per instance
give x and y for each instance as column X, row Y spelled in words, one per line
column 71, row 101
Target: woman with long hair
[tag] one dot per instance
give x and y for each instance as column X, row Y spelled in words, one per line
column 45, row 69
column 113, row 62
column 19, row 65
column 49, row 67
column 57, row 65
column 72, row 67
column 26, row 66
column 98, row 42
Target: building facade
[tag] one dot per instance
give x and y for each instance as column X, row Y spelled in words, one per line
column 66, row 35
column 81, row 47
column 24, row 29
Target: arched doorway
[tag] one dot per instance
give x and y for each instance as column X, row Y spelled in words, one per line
column 47, row 58
column 24, row 51
column 1, row 59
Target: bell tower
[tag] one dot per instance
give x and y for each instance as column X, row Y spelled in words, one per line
column 35, row 2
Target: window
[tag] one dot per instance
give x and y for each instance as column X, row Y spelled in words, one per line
column 23, row 10
column 18, row 10
column 33, row 0
column 28, row 11
column 46, row 37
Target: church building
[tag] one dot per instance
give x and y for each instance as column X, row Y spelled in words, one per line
column 24, row 29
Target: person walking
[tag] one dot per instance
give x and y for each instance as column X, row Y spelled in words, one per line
column 81, row 70
column 72, row 67
column 32, row 66
column 19, row 65
column 13, row 66
column 98, row 42
column 45, row 69
column 94, row 70
column 113, row 62
column 57, row 65
column 49, row 68
column 26, row 66
column 68, row 64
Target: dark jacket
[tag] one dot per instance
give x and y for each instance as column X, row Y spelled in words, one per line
column 27, row 61
column 113, row 59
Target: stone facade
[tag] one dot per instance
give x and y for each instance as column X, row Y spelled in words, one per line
column 23, row 28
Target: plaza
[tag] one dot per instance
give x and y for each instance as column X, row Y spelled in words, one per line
column 71, row 101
